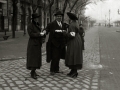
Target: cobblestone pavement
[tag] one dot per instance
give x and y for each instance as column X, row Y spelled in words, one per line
column 15, row 76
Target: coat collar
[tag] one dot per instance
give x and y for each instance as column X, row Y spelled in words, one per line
column 36, row 24
column 58, row 24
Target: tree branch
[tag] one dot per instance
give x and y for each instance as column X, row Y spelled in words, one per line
column 65, row 5
column 74, row 5
column 82, row 5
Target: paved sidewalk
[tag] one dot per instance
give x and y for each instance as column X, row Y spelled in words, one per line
column 14, row 48
column 15, row 76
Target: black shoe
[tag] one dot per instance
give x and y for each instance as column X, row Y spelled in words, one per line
column 33, row 75
column 69, row 74
column 36, row 74
column 52, row 73
column 74, row 75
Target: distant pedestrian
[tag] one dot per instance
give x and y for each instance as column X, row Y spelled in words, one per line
column 34, row 60
column 55, row 47
column 82, row 34
column 74, row 58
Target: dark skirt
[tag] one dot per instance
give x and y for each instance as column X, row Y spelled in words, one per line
column 83, row 47
column 74, row 56
column 75, row 66
column 34, row 56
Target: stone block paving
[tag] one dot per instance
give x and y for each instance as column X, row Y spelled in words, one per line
column 15, row 76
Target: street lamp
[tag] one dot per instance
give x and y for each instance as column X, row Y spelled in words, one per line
column 118, row 12
column 105, row 20
column 109, row 17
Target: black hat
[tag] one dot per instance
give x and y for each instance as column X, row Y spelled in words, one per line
column 72, row 16
column 35, row 15
column 58, row 13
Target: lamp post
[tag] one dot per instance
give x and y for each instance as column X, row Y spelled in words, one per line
column 109, row 17
column 105, row 20
column 118, row 14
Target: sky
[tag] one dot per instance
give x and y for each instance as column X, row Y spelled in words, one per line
column 100, row 10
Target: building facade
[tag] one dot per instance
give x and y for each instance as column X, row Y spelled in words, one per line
column 3, row 15
column 24, row 11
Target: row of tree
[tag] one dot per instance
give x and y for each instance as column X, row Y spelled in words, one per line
column 51, row 6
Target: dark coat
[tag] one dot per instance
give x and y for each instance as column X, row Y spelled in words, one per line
column 34, row 47
column 55, row 40
column 82, row 34
column 74, row 57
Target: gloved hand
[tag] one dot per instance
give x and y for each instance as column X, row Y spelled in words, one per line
column 72, row 34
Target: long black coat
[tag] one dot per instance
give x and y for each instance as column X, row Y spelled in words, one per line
column 74, row 58
column 55, row 40
column 34, row 47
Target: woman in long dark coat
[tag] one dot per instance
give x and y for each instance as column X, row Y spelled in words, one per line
column 74, row 58
column 34, row 46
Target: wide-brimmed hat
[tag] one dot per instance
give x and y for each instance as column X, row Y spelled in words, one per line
column 58, row 13
column 35, row 15
column 72, row 16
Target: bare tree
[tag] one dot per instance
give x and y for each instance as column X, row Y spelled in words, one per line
column 74, row 5
column 14, row 18
column 64, row 8
column 51, row 2
column 24, row 15
column 34, row 4
column 81, row 6
column 70, row 5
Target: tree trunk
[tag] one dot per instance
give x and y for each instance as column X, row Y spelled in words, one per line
column 64, row 8
column 44, row 18
column 57, row 5
column 14, row 20
column 74, row 5
column 24, row 20
column 50, row 8
column 50, row 14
